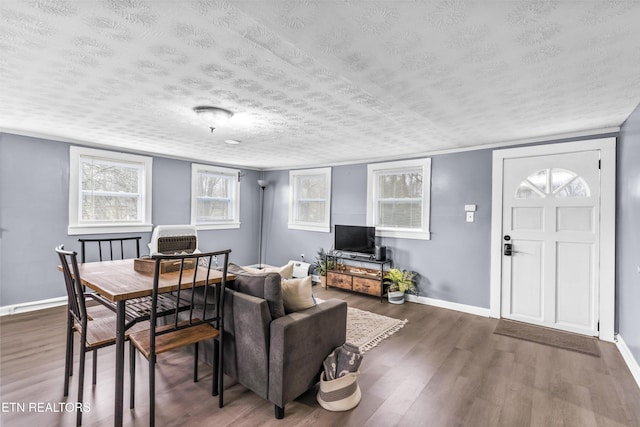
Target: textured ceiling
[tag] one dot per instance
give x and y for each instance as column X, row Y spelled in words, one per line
column 315, row 82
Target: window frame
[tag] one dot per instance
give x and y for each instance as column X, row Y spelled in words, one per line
column 233, row 175
column 78, row 227
column 325, row 227
column 373, row 171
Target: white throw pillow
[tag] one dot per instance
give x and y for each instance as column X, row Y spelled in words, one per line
column 297, row 294
column 285, row 271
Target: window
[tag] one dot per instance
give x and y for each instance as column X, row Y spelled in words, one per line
column 215, row 197
column 310, row 199
column 554, row 182
column 109, row 192
column 398, row 195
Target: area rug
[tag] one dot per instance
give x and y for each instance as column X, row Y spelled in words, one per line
column 366, row 330
column 546, row 336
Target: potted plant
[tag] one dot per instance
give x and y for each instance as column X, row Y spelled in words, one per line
column 398, row 282
column 322, row 265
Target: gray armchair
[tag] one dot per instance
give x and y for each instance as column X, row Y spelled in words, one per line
column 276, row 355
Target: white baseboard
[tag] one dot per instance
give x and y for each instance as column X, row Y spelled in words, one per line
column 629, row 359
column 32, row 305
column 479, row 311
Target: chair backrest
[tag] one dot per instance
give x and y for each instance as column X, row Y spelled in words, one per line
column 189, row 273
column 75, row 294
column 119, row 242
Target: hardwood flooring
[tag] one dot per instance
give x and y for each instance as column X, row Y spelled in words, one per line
column 444, row 368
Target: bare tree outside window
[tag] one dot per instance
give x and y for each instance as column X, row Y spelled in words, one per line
column 552, row 182
column 310, row 200
column 400, row 199
column 110, row 192
column 214, row 197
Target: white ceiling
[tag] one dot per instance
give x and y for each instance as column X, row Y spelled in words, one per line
column 315, row 82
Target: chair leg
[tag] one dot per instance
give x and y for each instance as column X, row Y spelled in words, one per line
column 68, row 358
column 71, row 345
column 220, row 366
column 214, row 385
column 94, row 374
column 279, row 412
column 195, row 362
column 132, row 375
column 83, row 352
column 152, row 390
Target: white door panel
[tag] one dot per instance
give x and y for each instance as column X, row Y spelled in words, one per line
column 575, row 286
column 526, row 280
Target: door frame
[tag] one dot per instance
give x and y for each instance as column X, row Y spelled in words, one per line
column 606, row 279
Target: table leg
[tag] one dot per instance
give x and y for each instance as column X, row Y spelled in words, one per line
column 120, row 315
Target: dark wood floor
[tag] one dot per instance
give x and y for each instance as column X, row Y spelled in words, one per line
column 444, row 368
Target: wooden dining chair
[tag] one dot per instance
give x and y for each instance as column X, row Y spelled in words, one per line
column 94, row 333
column 197, row 316
column 107, row 243
column 104, row 249
column 107, row 249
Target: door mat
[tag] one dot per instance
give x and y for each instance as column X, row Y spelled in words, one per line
column 546, row 336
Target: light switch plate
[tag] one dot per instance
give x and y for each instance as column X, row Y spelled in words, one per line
column 470, row 216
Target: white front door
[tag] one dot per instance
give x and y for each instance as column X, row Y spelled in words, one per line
column 550, row 241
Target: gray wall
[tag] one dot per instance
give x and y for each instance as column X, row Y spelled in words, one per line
column 34, row 204
column 453, row 266
column 628, row 234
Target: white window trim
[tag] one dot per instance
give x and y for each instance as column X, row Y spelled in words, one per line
column 326, row 226
column 75, row 226
column 401, row 233
column 215, row 225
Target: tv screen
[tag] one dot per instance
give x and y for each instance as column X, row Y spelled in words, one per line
column 355, row 238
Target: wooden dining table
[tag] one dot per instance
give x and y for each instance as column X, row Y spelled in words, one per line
column 118, row 282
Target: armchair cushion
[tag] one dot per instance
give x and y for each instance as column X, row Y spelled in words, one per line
column 262, row 285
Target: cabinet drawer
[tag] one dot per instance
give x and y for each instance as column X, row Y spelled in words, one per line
column 338, row 280
column 367, row 286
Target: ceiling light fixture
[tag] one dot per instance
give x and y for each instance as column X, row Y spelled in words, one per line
column 232, row 141
column 214, row 116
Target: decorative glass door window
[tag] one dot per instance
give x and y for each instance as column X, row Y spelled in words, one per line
column 552, row 182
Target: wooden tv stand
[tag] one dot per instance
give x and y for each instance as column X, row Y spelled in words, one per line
column 356, row 278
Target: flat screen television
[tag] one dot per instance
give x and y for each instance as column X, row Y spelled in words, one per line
column 355, row 238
